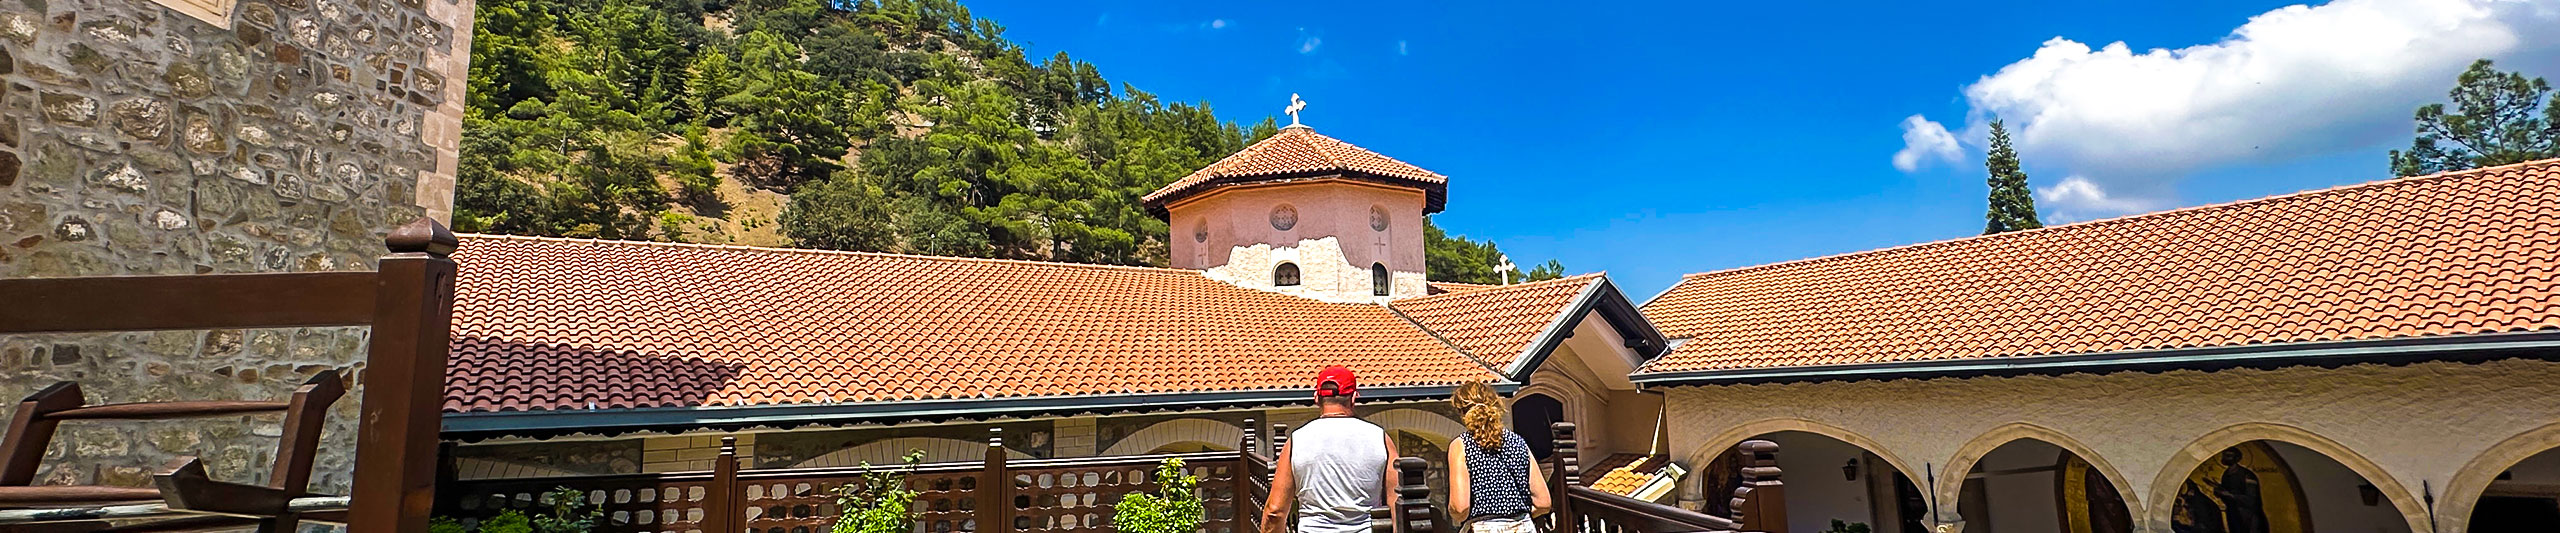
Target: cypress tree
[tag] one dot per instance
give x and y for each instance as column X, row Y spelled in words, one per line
column 2012, row 206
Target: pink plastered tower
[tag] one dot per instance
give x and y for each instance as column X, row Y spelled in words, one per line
column 1305, row 214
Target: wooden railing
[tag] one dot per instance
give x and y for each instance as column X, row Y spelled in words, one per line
column 407, row 300
column 1074, row 495
column 1759, row 505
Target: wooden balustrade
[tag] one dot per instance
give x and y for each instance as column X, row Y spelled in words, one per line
column 1759, row 505
column 408, row 302
column 998, row 494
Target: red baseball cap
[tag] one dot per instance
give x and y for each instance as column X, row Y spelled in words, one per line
column 1339, row 379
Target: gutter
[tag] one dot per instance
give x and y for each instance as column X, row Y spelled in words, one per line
column 605, row 421
column 2543, row 344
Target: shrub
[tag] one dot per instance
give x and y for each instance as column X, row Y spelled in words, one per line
column 570, row 513
column 1174, row 508
column 881, row 502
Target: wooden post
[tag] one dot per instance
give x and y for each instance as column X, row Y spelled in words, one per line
column 403, row 407
column 1242, row 481
column 995, row 488
column 30, row 431
column 1413, row 495
column 299, row 444
column 1568, row 474
column 1760, row 504
column 1251, row 445
column 721, row 506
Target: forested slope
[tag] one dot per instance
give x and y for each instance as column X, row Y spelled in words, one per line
column 883, row 125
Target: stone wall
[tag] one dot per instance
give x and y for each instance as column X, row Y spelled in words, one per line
column 1323, row 273
column 140, row 140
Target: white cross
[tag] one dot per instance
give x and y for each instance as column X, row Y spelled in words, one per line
column 1295, row 104
column 1506, row 268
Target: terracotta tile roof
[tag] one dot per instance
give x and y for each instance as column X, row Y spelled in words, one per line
column 2471, row 252
column 547, row 323
column 1299, row 152
column 1497, row 323
column 1445, row 287
column 1623, row 473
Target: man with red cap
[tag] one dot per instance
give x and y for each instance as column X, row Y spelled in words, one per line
column 1335, row 468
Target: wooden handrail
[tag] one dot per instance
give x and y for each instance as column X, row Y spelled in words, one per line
column 212, row 301
column 1642, row 515
column 165, row 410
column 74, row 494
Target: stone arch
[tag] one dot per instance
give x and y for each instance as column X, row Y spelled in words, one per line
column 1420, row 422
column 1178, row 430
column 1564, row 389
column 2462, row 494
column 1724, row 442
column 1951, row 478
column 889, row 451
column 2164, row 485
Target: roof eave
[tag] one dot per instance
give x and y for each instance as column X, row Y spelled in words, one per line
column 1612, row 304
column 1435, row 195
column 2540, row 344
column 473, row 425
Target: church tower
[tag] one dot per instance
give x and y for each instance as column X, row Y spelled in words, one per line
column 1305, row 214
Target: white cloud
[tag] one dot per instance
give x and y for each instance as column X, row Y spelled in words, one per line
column 2073, row 199
column 1308, row 45
column 1402, row 50
column 1218, row 24
column 1925, row 140
column 2294, row 82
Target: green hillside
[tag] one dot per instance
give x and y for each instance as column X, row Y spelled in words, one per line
column 881, row 125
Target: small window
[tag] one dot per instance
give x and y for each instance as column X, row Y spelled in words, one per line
column 1378, row 282
column 1285, row 275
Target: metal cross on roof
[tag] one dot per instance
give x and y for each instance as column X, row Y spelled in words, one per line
column 1295, row 104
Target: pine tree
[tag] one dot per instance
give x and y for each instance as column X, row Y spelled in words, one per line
column 2012, row 206
column 2498, row 118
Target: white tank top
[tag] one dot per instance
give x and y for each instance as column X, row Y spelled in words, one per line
column 1340, row 466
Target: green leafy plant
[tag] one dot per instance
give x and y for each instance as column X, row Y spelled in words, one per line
column 445, row 524
column 1838, row 526
column 510, row 521
column 1174, row 508
column 570, row 512
column 881, row 502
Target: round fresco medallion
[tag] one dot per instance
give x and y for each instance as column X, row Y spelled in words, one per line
column 1200, row 231
column 1378, row 218
column 1284, row 217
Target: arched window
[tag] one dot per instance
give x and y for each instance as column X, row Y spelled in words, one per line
column 1378, row 282
column 1285, row 275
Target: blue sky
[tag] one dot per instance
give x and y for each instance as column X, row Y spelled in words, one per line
column 1653, row 139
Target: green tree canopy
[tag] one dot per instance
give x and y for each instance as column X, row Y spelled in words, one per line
column 1456, row 259
column 2497, row 118
column 905, row 126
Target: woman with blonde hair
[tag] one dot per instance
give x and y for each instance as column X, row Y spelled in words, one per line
column 1494, row 485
